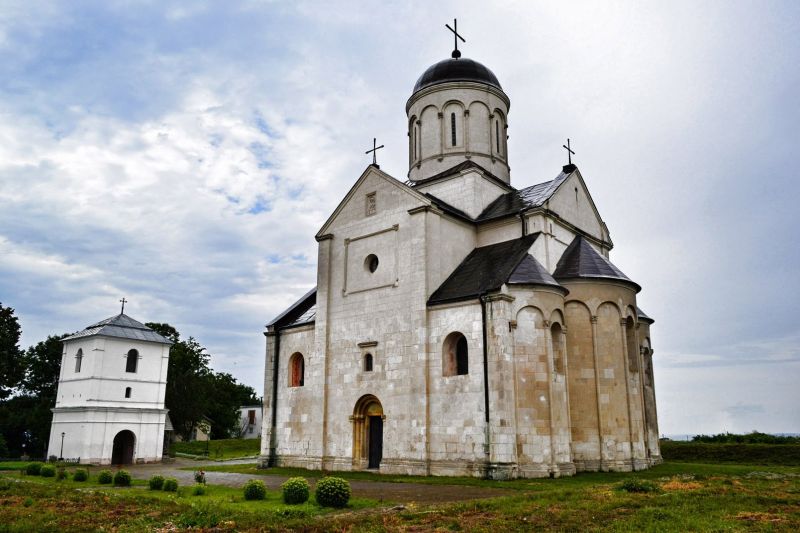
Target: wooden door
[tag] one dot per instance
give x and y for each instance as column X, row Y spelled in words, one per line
column 375, row 441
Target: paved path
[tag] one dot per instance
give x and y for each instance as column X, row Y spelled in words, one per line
column 384, row 491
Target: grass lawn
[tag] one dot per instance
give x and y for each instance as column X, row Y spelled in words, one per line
column 687, row 497
column 220, row 448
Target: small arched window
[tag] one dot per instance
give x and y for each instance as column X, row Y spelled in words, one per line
column 497, row 135
column 78, row 360
column 455, row 355
column 557, row 340
column 133, row 360
column 453, row 128
column 415, row 143
column 368, row 362
column 633, row 349
column 127, row 392
column 297, row 369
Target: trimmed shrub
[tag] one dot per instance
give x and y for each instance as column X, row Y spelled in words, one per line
column 199, row 489
column 62, row 474
column 638, row 485
column 156, row 482
column 105, row 477
column 332, row 492
column 48, row 471
column 200, row 477
column 122, row 478
column 33, row 469
column 255, row 490
column 170, row 484
column 295, row 490
column 81, row 474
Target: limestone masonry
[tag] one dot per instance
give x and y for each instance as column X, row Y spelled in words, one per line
column 460, row 326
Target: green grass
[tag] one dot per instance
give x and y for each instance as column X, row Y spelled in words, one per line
column 220, row 448
column 771, row 454
column 688, row 497
column 14, row 465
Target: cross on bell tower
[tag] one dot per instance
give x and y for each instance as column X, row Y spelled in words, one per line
column 456, row 54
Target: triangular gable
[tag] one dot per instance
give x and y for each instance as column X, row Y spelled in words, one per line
column 568, row 178
column 371, row 170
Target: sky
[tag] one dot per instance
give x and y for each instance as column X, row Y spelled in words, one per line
column 184, row 154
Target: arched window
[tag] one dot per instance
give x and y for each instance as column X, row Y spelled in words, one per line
column 78, row 360
column 453, row 128
column 455, row 355
column 368, row 362
column 133, row 359
column 415, row 143
column 557, row 340
column 497, row 135
column 633, row 351
column 127, row 392
column 297, row 370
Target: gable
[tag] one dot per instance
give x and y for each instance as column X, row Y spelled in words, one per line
column 573, row 203
column 388, row 193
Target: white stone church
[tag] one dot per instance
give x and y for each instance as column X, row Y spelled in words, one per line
column 462, row 326
column 110, row 400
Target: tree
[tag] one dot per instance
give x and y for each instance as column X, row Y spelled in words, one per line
column 228, row 396
column 12, row 368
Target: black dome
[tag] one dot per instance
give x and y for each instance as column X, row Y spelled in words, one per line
column 461, row 69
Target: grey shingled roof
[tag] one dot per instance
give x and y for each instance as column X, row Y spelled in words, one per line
column 123, row 327
column 302, row 311
column 515, row 201
column 485, row 269
column 531, row 272
column 581, row 260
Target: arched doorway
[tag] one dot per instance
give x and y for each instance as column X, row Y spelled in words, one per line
column 122, row 453
column 368, row 420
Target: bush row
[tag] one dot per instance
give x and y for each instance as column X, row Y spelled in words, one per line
column 765, row 454
column 50, row 470
column 330, row 491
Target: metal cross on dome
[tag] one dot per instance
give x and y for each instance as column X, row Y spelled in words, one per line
column 456, row 54
column 374, row 151
column 123, row 301
column 570, row 153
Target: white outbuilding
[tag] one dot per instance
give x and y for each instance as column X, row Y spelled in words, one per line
column 110, row 403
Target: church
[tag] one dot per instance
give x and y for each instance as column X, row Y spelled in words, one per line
column 459, row 325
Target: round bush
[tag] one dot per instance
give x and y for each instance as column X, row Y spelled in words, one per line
column 255, row 490
column 122, row 478
column 199, row 489
column 295, row 490
column 170, row 484
column 81, row 474
column 638, row 485
column 104, row 477
column 48, row 471
column 33, row 469
column 332, row 492
column 156, row 482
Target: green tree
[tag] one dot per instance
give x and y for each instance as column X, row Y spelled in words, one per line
column 228, row 396
column 12, row 368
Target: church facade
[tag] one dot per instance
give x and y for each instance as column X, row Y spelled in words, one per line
column 462, row 326
column 110, row 400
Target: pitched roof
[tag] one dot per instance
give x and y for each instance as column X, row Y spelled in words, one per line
column 120, row 326
column 465, row 165
column 515, row 201
column 531, row 272
column 447, row 208
column 486, row 269
column 581, row 260
column 303, row 311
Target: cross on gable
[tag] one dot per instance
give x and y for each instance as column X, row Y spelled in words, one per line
column 123, row 301
column 570, row 153
column 374, row 151
column 456, row 54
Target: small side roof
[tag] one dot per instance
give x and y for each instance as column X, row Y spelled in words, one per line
column 642, row 316
column 303, row 311
column 581, row 260
column 487, row 268
column 120, row 326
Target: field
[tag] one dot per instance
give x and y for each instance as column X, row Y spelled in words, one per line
column 671, row 497
column 220, row 449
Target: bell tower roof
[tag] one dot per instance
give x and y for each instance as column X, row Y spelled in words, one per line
column 456, row 69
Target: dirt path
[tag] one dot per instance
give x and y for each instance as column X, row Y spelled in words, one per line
column 401, row 493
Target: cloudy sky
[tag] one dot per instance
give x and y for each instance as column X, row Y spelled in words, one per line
column 184, row 154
